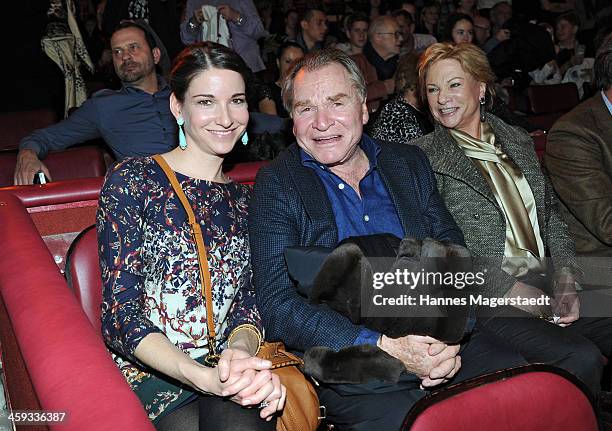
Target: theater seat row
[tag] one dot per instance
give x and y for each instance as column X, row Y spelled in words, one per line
column 55, row 332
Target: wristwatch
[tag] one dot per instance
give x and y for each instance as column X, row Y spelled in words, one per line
column 240, row 20
column 191, row 24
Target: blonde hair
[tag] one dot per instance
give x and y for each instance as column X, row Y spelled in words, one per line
column 472, row 59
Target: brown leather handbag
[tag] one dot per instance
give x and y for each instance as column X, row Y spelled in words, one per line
column 301, row 411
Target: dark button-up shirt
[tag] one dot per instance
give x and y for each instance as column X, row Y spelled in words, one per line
column 373, row 213
column 132, row 122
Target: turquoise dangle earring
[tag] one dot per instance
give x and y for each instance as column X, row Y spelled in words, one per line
column 182, row 140
column 245, row 138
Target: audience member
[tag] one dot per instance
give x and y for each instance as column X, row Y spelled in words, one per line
column 551, row 10
column 569, row 51
column 133, row 121
column 335, row 183
column 162, row 16
column 155, row 296
column 287, row 55
column 264, row 10
column 490, row 179
column 459, row 29
column 410, row 7
column 357, row 34
column 259, row 95
column 379, row 59
column 489, row 4
column 500, row 13
column 428, row 20
column 466, row 7
column 313, row 26
column 528, row 49
column 411, row 41
column 292, row 24
column 482, row 30
column 374, row 9
column 402, row 120
column 579, row 161
column 406, row 27
column 244, row 25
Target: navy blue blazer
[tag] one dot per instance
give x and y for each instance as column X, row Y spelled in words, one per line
column 290, row 208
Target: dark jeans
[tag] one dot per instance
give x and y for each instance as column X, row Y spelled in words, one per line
column 376, row 406
column 577, row 348
column 212, row 413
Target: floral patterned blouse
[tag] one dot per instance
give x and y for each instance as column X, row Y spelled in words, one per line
column 150, row 265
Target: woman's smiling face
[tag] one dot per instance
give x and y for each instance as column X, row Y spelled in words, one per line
column 453, row 96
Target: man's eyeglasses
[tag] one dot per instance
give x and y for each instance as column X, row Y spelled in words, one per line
column 396, row 34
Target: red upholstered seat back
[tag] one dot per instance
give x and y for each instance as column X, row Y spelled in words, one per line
column 531, row 398
column 83, row 274
column 545, row 99
column 244, row 173
column 17, row 125
column 80, row 162
column 539, row 142
column 549, row 102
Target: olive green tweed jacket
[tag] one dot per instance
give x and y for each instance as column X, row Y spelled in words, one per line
column 470, row 201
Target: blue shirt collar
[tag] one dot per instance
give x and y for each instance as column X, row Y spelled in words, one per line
column 606, row 101
column 162, row 85
column 367, row 144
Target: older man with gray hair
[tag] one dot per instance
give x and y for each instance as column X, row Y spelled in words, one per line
column 336, row 182
column 378, row 60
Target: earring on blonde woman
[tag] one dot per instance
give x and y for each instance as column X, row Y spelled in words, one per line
column 482, row 109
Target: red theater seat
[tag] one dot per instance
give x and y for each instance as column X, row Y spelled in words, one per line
column 17, row 125
column 54, row 359
column 80, row 162
column 539, row 142
column 84, row 276
column 244, row 173
column 530, row 398
column 527, row 398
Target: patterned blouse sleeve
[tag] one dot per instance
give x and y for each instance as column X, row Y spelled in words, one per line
column 244, row 308
column 119, row 222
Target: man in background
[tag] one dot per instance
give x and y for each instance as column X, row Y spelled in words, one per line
column 133, row 121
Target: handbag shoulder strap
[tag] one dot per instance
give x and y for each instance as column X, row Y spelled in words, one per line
column 196, row 231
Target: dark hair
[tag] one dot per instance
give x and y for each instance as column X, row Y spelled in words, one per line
column 286, row 45
column 450, row 25
column 356, row 17
column 200, row 57
column 602, row 69
column 141, row 25
column 569, row 17
column 404, row 13
column 406, row 74
column 308, row 13
column 290, row 11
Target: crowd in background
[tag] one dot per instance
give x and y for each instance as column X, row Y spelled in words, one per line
column 526, row 42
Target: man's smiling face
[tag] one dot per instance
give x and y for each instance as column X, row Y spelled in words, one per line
column 328, row 115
